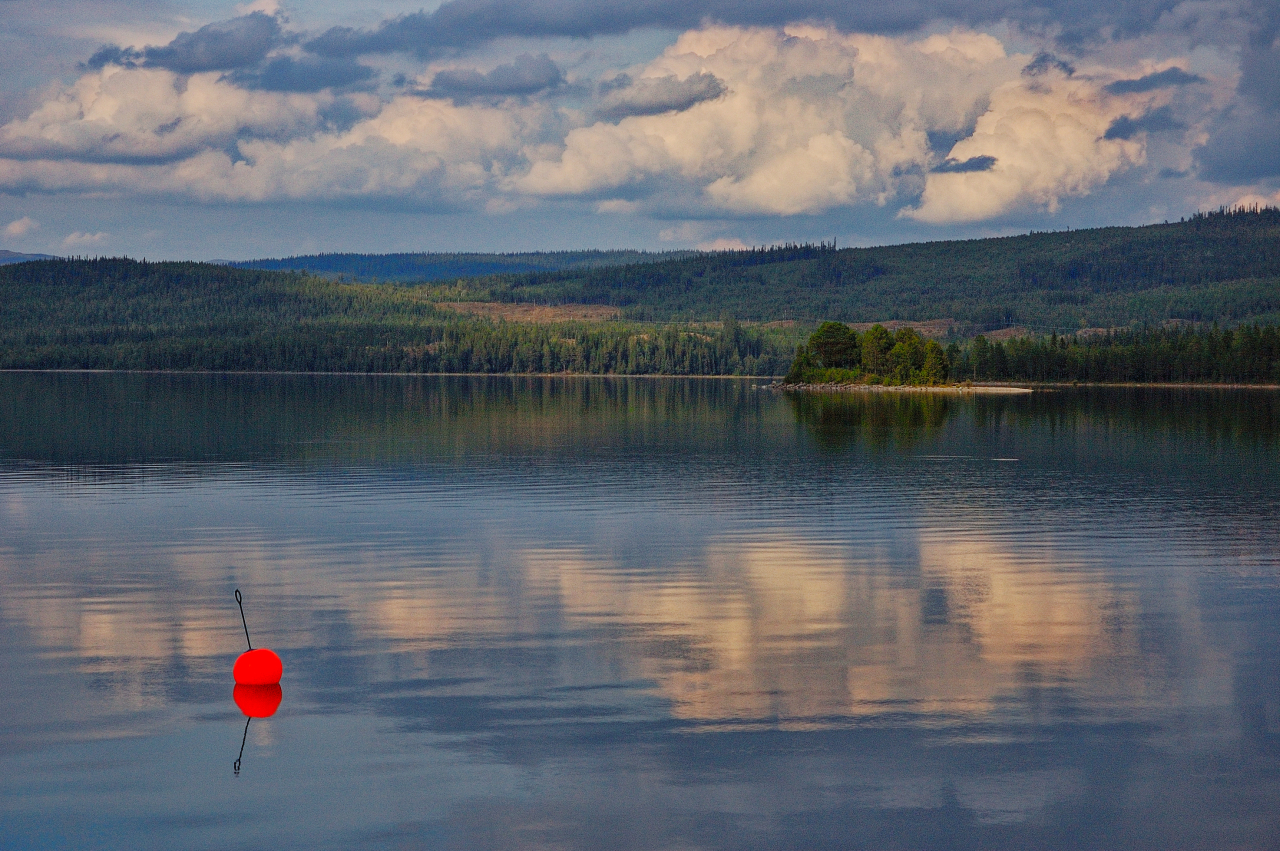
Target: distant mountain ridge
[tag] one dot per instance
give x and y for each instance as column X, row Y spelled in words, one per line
column 15, row 257
column 442, row 266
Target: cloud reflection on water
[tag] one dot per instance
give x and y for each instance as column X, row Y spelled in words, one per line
column 733, row 626
column 502, row 609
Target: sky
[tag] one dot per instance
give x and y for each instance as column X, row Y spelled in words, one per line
column 201, row 130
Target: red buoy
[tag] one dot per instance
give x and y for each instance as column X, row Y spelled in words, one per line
column 258, row 701
column 259, row 667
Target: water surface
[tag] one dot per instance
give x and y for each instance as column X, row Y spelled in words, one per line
column 636, row 614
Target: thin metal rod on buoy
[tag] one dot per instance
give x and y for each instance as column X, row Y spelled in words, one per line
column 243, row 621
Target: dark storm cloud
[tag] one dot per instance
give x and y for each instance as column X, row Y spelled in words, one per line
column 1245, row 146
column 953, row 166
column 1167, row 78
column 1155, row 121
column 460, row 23
column 1245, row 143
column 1043, row 63
column 224, row 46
column 112, row 54
column 525, row 76
column 1260, row 77
column 307, row 74
column 623, row 97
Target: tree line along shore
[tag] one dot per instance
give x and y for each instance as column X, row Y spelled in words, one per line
column 836, row 354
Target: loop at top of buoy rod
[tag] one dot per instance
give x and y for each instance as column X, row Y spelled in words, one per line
column 240, row 603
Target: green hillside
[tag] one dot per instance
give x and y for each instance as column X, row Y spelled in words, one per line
column 1222, row 267
column 436, row 266
column 123, row 314
column 707, row 314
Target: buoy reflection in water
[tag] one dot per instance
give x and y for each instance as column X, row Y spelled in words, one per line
column 259, row 701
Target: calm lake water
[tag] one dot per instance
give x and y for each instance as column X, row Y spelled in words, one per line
column 636, row 614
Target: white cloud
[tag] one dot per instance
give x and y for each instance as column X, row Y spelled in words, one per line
column 413, row 148
column 1044, row 140
column 761, row 121
column 83, row 240
column 130, row 114
column 408, row 148
column 723, row 244
column 826, row 172
column 1254, row 199
column 267, row 7
column 810, row 119
column 21, row 227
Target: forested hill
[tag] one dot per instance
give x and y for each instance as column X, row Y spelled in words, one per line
column 447, row 267
column 1222, row 267
column 116, row 313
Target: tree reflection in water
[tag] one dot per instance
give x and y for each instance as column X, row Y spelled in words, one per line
column 877, row 420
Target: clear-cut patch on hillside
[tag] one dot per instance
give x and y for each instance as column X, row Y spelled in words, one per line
column 536, row 313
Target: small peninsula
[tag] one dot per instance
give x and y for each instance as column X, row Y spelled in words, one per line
column 837, row 357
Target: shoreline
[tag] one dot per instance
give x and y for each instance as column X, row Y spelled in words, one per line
column 75, row 371
column 1014, row 388
column 994, row 387
column 951, row 389
column 1159, row 385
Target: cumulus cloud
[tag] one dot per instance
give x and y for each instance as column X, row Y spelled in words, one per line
column 729, row 120
column 1046, row 141
column 426, row 152
column 527, row 75
column 138, row 114
column 21, row 227
column 80, row 239
column 624, row 96
column 809, row 119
